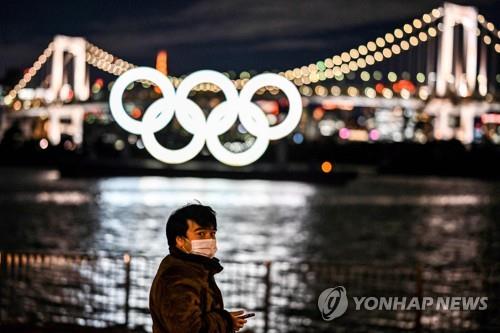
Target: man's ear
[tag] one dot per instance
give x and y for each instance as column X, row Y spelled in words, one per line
column 180, row 242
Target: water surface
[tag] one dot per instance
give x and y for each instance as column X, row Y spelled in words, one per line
column 374, row 218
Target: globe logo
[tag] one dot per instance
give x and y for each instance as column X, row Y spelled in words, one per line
column 332, row 303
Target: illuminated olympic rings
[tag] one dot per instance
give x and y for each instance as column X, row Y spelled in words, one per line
column 192, row 118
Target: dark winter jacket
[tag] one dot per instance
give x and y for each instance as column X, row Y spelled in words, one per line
column 184, row 297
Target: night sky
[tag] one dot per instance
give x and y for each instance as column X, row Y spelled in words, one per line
column 222, row 35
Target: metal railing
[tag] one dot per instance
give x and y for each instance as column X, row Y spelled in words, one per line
column 102, row 291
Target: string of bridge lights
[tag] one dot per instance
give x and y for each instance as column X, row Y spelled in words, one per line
column 336, row 66
column 365, row 54
column 29, row 74
column 338, row 73
column 489, row 26
column 360, row 57
column 320, row 90
column 343, row 63
column 105, row 61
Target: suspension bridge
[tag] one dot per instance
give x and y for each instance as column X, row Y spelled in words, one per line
column 439, row 68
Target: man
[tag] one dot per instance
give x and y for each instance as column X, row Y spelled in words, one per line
column 184, row 297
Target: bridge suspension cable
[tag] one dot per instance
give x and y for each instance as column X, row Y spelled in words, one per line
column 492, row 30
column 490, row 26
column 29, row 73
column 105, row 61
column 365, row 54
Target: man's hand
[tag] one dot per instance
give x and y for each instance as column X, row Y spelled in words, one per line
column 238, row 322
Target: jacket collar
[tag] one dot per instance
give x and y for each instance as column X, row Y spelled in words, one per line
column 211, row 265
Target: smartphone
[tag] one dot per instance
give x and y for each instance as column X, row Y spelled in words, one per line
column 248, row 315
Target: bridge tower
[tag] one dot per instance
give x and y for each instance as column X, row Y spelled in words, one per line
column 76, row 47
column 457, row 66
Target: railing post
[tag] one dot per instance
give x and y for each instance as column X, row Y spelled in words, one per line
column 126, row 260
column 419, row 294
column 267, row 296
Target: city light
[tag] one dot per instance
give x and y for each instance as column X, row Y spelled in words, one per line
column 44, row 143
column 344, row 133
column 374, row 135
column 298, row 138
column 326, row 167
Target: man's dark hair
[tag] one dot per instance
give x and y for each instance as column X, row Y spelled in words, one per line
column 177, row 221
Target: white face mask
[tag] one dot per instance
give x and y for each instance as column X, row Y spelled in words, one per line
column 204, row 247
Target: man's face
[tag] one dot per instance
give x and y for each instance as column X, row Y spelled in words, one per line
column 195, row 231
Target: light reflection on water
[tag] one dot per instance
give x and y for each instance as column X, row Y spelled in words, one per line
column 391, row 219
column 256, row 218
